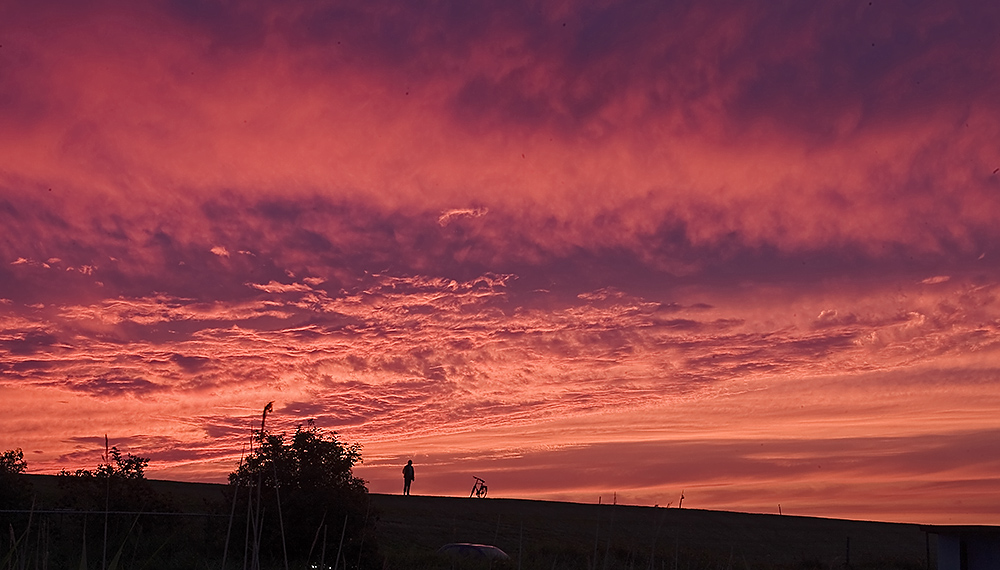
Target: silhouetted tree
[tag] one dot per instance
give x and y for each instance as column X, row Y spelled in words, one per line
column 12, row 462
column 312, row 475
column 117, row 466
column 118, row 483
column 15, row 489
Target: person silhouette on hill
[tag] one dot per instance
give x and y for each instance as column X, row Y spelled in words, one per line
column 407, row 476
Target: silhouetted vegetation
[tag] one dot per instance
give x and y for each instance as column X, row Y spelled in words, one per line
column 299, row 498
column 12, row 462
column 291, row 500
column 15, row 490
column 118, row 483
column 98, row 515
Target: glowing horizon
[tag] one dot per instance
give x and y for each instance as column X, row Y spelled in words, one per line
column 743, row 251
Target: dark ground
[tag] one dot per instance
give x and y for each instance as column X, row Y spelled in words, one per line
column 550, row 535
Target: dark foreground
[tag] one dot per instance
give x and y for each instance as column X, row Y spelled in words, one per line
column 409, row 531
column 548, row 535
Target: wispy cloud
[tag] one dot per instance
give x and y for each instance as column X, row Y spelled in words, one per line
column 447, row 216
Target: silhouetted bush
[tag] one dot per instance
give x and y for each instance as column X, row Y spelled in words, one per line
column 312, row 475
column 12, row 462
column 117, row 484
column 15, row 489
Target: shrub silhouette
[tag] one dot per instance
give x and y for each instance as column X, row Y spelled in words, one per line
column 12, row 462
column 312, row 475
column 117, row 484
column 15, row 490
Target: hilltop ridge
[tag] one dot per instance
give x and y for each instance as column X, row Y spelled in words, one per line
column 549, row 534
column 623, row 534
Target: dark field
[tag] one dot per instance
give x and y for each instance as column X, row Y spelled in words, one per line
column 536, row 535
column 549, row 535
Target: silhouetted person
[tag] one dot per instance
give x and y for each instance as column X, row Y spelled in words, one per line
column 407, row 477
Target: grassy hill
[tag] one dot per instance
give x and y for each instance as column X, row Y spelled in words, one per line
column 536, row 534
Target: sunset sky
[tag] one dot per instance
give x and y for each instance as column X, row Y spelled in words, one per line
column 747, row 251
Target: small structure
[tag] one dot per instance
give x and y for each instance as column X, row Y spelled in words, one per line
column 966, row 547
column 473, row 551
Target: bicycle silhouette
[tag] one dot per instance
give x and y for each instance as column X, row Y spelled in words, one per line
column 478, row 489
